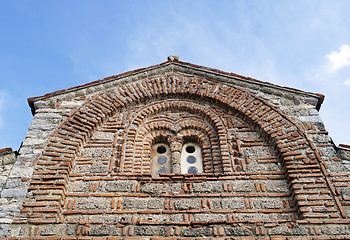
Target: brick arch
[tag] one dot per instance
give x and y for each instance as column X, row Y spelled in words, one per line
column 53, row 166
column 208, row 113
column 166, row 123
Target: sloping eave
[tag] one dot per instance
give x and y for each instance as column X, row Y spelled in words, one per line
column 177, row 62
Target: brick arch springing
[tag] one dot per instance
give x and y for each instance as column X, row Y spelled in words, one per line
column 54, row 164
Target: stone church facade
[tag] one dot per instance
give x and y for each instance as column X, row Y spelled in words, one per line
column 176, row 151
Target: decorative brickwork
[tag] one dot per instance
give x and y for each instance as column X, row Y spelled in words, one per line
column 264, row 174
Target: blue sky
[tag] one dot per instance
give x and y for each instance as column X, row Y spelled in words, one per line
column 51, row 45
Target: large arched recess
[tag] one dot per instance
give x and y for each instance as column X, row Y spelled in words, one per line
column 53, row 166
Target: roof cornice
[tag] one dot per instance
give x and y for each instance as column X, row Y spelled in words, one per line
column 175, row 62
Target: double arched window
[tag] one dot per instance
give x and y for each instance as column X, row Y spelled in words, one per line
column 165, row 159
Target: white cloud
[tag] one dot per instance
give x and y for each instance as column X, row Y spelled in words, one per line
column 347, row 82
column 338, row 60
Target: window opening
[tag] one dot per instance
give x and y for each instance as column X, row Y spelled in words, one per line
column 190, row 149
column 160, row 159
column 161, row 149
column 191, row 158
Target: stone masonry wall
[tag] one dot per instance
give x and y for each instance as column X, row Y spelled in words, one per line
column 7, row 159
column 271, row 169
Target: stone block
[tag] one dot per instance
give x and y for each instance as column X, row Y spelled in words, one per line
column 52, row 230
column 99, row 169
column 118, row 186
column 100, row 230
column 215, row 204
column 186, row 204
column 38, row 104
column 48, row 115
column 144, row 231
column 310, row 100
column 71, row 229
column 82, row 168
column 242, row 186
column 71, row 103
column 277, row 186
column 25, row 160
column 197, row 232
column 237, row 231
column 286, row 231
column 6, row 220
column 42, row 127
column 156, row 189
column 26, row 150
column 14, row 193
column 272, row 203
column 151, row 188
column 21, row 172
column 210, row 217
column 8, row 159
column 97, row 152
column 79, row 186
column 11, row 206
column 134, row 204
column 3, row 180
column 310, row 119
column 93, row 203
column 233, row 203
column 313, row 112
column 207, row 187
column 155, row 203
column 4, row 229
column 320, row 138
column 336, row 230
column 13, row 183
column 103, row 136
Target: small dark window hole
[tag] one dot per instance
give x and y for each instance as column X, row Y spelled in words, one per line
column 161, row 149
column 190, row 149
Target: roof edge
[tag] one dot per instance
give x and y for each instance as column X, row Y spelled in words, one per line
column 344, row 146
column 320, row 97
column 4, row 151
column 177, row 62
